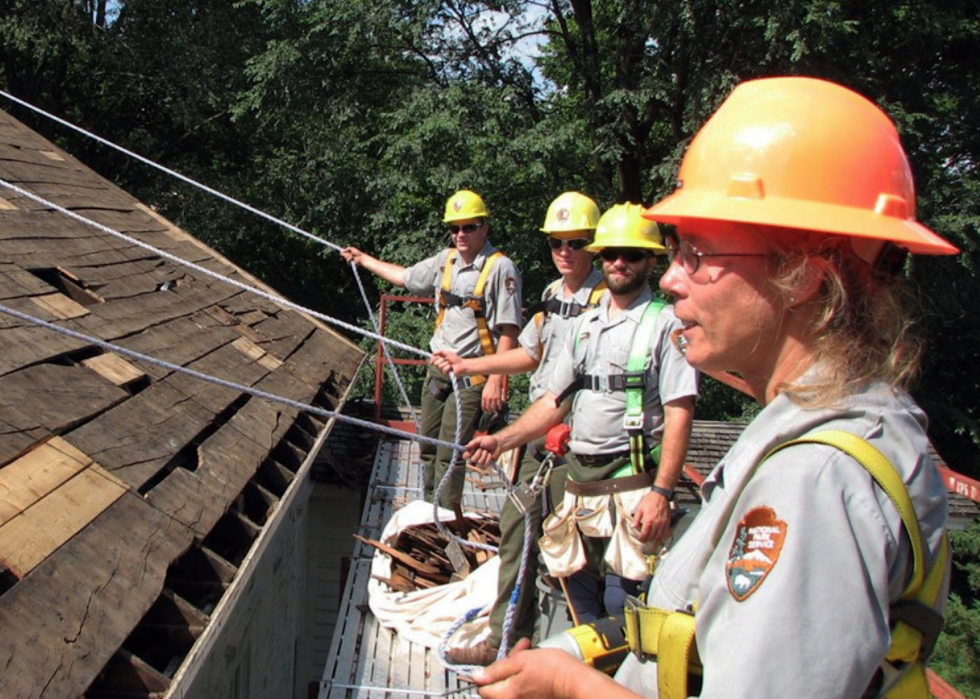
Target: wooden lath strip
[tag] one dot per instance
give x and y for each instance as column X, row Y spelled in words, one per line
column 33, row 476
column 60, row 306
column 59, row 492
column 114, row 368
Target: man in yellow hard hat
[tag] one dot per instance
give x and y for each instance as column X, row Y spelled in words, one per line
column 570, row 226
column 630, row 396
column 478, row 292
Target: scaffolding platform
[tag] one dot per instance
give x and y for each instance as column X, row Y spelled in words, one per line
column 366, row 660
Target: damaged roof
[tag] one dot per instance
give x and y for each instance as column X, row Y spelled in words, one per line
column 129, row 493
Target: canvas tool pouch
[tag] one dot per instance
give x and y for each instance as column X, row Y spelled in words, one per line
column 624, row 554
column 561, row 546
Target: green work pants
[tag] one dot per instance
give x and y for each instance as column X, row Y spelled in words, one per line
column 511, row 551
column 439, row 422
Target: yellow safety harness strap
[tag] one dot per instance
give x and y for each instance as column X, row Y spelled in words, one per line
column 486, row 338
column 677, row 648
column 593, row 301
column 475, row 303
column 447, row 276
column 670, row 636
column 888, row 480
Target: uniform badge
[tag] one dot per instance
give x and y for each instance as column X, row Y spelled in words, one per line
column 759, row 538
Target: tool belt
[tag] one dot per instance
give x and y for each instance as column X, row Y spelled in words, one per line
column 610, row 485
column 603, row 510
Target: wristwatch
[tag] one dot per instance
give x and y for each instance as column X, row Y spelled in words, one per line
column 666, row 492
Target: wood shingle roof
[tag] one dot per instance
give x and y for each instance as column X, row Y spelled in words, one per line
column 129, row 492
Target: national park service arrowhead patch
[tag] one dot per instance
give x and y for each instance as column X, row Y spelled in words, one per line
column 759, row 538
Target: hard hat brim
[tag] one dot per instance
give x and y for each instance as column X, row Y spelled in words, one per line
column 625, row 243
column 826, row 218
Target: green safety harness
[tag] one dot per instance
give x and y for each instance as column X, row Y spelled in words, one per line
column 669, row 636
column 633, row 382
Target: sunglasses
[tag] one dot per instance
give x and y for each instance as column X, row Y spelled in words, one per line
column 573, row 244
column 630, row 255
column 465, row 228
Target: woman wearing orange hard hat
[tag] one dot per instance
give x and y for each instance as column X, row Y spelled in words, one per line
column 823, row 528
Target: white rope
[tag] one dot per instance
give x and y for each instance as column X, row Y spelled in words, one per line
column 384, row 348
column 235, row 202
column 457, row 450
column 330, row 414
column 214, row 275
column 385, row 342
column 172, row 173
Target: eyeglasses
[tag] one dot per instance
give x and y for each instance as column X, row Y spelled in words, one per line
column 465, row 228
column 689, row 256
column 573, row 244
column 630, row 255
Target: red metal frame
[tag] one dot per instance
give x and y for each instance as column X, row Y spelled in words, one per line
column 380, row 360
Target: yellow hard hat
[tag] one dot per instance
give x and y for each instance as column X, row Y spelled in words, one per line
column 623, row 226
column 801, row 153
column 464, row 204
column 571, row 211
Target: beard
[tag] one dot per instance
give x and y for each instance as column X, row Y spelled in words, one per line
column 628, row 284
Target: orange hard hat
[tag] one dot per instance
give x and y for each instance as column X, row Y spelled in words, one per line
column 801, row 153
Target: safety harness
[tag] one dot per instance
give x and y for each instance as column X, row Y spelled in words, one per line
column 633, row 382
column 565, row 309
column 476, row 303
column 669, row 636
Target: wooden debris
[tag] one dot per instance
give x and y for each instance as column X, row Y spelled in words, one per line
column 419, row 557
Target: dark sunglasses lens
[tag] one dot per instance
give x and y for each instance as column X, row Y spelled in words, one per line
column 573, row 244
column 631, row 255
column 466, row 228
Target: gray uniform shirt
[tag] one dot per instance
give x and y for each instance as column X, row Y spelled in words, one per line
column 545, row 343
column 502, row 295
column 817, row 623
column 603, row 349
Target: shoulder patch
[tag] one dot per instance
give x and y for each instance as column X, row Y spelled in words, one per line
column 510, row 283
column 759, row 539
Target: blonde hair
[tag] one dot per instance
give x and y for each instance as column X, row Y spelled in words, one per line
column 864, row 325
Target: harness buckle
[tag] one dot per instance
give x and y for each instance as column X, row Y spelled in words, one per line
column 632, row 423
column 632, row 624
column 924, row 619
column 569, row 309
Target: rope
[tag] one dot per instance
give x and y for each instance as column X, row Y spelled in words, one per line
column 172, row 173
column 456, row 448
column 385, row 342
column 330, row 414
column 384, row 349
column 235, row 202
column 214, row 275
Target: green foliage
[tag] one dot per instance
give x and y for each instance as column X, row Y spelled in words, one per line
column 957, row 655
column 355, row 120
